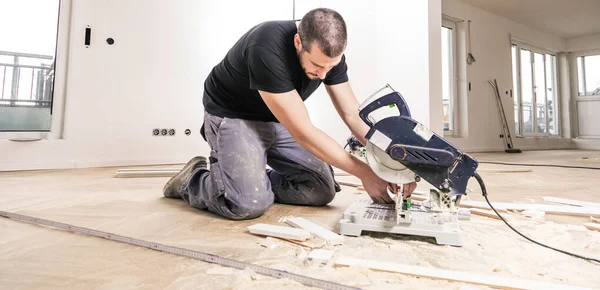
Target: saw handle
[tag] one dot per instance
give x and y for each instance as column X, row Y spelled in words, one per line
column 393, row 98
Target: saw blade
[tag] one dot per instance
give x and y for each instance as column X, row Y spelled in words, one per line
column 386, row 167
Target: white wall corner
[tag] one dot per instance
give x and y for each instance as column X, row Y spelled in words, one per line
column 435, row 66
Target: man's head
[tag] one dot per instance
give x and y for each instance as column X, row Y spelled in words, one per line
column 320, row 41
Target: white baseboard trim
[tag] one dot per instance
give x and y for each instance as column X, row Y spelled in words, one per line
column 92, row 163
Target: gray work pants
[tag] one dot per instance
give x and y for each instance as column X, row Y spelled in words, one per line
column 238, row 185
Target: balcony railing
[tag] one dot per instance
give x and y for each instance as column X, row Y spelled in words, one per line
column 27, row 79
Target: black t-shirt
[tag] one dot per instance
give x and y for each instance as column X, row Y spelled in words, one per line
column 265, row 59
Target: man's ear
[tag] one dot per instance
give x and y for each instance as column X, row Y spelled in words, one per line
column 297, row 41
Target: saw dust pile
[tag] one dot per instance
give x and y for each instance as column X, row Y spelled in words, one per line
column 491, row 248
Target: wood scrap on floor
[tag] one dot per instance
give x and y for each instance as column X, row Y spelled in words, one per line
column 319, row 256
column 312, row 243
column 330, row 237
column 594, row 220
column 280, row 232
column 504, row 170
column 151, row 172
column 451, row 275
column 592, row 226
column 485, row 213
column 532, row 213
column 572, row 202
column 549, row 209
column 269, row 243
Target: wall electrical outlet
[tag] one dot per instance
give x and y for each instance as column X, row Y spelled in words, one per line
column 163, row 132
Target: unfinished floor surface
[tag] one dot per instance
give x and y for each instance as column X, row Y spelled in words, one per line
column 35, row 257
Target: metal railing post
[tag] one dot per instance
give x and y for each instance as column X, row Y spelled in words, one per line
column 14, row 90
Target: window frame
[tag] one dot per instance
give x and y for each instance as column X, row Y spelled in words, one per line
column 61, row 56
column 583, row 80
column 544, row 52
column 452, row 25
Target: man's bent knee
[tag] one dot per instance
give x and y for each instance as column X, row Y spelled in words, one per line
column 322, row 195
column 244, row 206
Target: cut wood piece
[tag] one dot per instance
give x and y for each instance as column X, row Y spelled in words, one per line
column 279, row 232
column 419, row 197
column 320, row 256
column 549, row 209
column 149, row 169
column 450, row 275
column 595, row 220
column 269, row 243
column 313, row 243
column 330, row 237
column 571, row 201
column 504, row 170
column 532, row 213
column 466, row 204
column 121, row 173
column 420, row 192
column 592, row 226
column 485, row 213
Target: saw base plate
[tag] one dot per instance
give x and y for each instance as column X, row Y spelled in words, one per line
column 365, row 215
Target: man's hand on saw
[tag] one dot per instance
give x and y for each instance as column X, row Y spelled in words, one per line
column 377, row 189
column 408, row 189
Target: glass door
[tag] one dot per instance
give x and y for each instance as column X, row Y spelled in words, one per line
column 28, row 30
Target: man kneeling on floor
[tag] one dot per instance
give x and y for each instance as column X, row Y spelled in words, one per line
column 255, row 115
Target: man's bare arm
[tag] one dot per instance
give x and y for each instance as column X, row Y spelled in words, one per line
column 346, row 104
column 291, row 112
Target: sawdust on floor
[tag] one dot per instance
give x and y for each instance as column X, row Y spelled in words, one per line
column 490, row 247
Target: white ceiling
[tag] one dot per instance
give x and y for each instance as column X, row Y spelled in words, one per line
column 563, row 18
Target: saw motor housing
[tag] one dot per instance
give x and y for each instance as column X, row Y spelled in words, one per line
column 398, row 142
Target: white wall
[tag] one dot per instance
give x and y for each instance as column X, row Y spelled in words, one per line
column 408, row 56
column 490, row 44
column 152, row 77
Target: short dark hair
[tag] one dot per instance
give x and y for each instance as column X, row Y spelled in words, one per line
column 326, row 28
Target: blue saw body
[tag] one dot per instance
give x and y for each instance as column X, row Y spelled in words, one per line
column 422, row 151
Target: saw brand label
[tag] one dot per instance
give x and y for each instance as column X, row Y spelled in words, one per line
column 380, row 140
column 423, row 131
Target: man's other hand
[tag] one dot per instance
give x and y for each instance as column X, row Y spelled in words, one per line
column 377, row 188
column 408, row 188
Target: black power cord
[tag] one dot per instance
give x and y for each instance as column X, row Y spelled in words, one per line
column 484, row 193
column 542, row 165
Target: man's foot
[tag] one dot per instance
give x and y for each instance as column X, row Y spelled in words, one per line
column 174, row 185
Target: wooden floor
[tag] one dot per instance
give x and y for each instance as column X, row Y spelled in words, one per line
column 35, row 257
